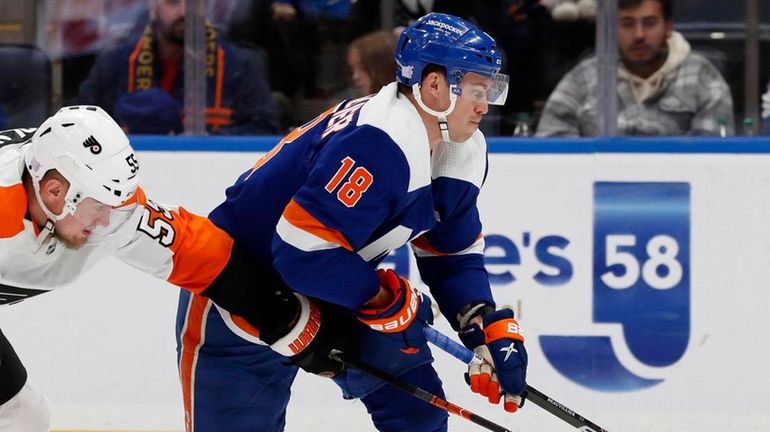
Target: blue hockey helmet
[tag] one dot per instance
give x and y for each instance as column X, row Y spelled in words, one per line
column 454, row 43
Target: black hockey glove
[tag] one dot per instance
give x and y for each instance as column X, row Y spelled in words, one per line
column 313, row 332
column 302, row 329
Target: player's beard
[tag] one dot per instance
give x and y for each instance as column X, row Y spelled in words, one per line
column 174, row 32
column 73, row 242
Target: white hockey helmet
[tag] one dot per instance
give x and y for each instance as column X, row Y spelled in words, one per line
column 90, row 150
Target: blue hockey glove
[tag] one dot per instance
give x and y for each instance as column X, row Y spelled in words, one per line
column 405, row 316
column 504, row 366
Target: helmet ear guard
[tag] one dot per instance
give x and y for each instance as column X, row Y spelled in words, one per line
column 87, row 147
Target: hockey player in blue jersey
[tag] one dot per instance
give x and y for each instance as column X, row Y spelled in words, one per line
column 324, row 207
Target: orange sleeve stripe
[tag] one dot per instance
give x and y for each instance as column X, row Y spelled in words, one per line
column 505, row 329
column 423, row 243
column 13, row 207
column 201, row 251
column 303, row 220
column 244, row 325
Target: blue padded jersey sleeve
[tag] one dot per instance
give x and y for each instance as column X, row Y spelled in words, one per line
column 359, row 181
column 450, row 256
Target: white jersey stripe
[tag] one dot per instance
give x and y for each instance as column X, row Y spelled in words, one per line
column 302, row 239
column 475, row 248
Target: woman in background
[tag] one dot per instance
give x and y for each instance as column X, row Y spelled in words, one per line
column 371, row 62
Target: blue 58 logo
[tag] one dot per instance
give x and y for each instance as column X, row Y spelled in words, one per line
column 641, row 281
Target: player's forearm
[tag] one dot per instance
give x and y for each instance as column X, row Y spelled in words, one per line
column 456, row 282
column 333, row 275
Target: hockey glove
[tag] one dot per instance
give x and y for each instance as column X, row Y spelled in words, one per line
column 504, row 367
column 404, row 317
column 314, row 330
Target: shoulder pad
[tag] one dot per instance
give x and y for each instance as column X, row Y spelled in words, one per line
column 16, row 136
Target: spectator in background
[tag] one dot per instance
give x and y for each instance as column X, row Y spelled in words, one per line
column 321, row 33
column 142, row 85
column 663, row 87
column 370, row 61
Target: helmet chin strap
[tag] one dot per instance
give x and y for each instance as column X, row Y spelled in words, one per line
column 440, row 115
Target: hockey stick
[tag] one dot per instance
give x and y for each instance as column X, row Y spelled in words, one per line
column 417, row 392
column 540, row 399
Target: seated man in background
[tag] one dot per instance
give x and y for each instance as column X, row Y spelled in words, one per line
column 663, row 87
column 142, row 83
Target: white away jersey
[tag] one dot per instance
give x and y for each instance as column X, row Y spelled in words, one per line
column 166, row 242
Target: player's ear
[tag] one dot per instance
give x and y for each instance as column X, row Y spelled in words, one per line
column 433, row 82
column 53, row 189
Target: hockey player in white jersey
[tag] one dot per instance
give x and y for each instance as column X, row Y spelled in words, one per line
column 69, row 197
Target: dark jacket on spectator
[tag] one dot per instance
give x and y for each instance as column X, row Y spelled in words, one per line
column 238, row 96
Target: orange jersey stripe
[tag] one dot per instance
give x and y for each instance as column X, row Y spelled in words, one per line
column 423, row 243
column 303, row 220
column 191, row 339
column 244, row 325
column 13, row 207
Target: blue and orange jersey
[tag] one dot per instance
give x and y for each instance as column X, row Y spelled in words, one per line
column 338, row 194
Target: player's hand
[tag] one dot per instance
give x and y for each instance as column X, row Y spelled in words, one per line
column 402, row 311
column 501, row 368
column 316, row 329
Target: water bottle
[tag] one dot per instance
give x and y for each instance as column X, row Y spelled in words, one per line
column 748, row 126
column 522, row 125
column 722, row 126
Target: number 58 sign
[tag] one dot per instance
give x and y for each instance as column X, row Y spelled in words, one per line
column 660, row 268
column 641, row 266
column 641, row 281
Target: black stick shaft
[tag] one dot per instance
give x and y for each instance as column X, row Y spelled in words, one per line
column 419, row 393
column 452, row 347
column 554, row 407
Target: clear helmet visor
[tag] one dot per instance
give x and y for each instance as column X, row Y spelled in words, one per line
column 98, row 219
column 493, row 91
